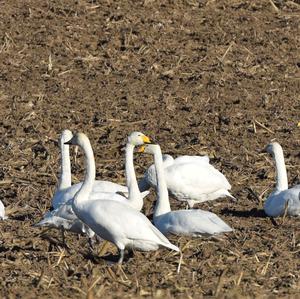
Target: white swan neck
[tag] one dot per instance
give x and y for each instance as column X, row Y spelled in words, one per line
column 90, row 174
column 65, row 179
column 281, row 175
column 134, row 195
column 162, row 204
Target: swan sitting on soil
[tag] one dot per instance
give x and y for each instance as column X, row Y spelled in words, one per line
column 282, row 200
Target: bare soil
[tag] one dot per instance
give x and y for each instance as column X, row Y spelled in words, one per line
column 201, row 77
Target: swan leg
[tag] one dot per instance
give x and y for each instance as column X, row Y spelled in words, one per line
column 121, row 257
column 62, row 230
column 180, row 262
column 286, row 206
column 43, row 232
column 190, row 204
column 92, row 242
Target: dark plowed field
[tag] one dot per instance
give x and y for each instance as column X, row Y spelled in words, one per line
column 201, row 77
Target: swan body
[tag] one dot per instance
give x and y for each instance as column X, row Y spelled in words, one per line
column 111, row 220
column 191, row 179
column 2, row 211
column 282, row 199
column 192, row 223
column 169, row 161
column 181, row 222
column 65, row 191
column 64, row 216
column 63, row 196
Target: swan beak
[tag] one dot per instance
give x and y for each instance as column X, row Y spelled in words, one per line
column 141, row 149
column 146, row 139
column 68, row 142
column 298, row 125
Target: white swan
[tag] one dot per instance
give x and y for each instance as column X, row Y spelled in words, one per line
column 182, row 222
column 149, row 178
column 191, row 179
column 2, row 211
column 63, row 216
column 65, row 191
column 281, row 199
column 111, row 220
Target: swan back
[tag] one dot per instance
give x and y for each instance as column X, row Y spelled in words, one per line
column 195, row 179
column 191, row 223
column 195, row 159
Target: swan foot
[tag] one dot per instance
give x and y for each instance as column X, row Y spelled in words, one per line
column 91, row 242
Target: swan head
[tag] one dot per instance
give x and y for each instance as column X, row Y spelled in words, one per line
column 149, row 148
column 138, row 138
column 78, row 139
column 66, row 135
column 273, row 147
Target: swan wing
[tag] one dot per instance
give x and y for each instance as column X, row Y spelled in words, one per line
column 122, row 222
column 150, row 174
column 195, row 178
column 62, row 196
column 193, row 223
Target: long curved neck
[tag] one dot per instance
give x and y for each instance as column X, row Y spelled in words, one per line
column 134, row 195
column 281, row 175
column 162, row 204
column 90, row 174
column 65, row 179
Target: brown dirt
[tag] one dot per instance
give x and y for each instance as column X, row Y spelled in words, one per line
column 214, row 77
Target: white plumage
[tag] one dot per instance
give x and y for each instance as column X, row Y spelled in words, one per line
column 64, row 217
column 65, row 191
column 182, row 222
column 281, row 199
column 2, row 211
column 113, row 221
column 191, row 179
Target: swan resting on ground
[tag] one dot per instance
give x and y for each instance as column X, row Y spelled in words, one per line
column 111, row 220
column 63, row 216
column 64, row 190
column 2, row 211
column 191, row 179
column 182, row 222
column 283, row 199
